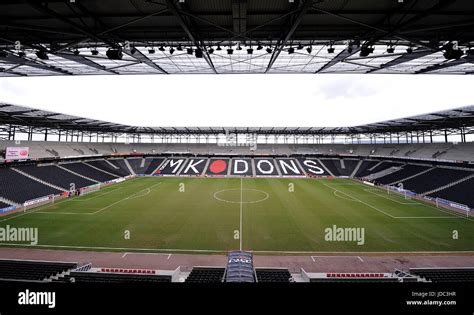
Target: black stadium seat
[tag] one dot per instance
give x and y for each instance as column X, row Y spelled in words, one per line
column 445, row 274
column 32, row 270
column 273, row 275
column 19, row 188
column 206, row 275
column 103, row 277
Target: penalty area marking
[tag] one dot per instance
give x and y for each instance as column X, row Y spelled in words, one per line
column 372, row 191
column 388, row 214
column 159, row 254
column 313, row 258
column 133, row 196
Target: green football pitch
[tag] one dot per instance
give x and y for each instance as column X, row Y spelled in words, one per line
column 259, row 214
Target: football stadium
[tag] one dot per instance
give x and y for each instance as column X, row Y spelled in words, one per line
column 88, row 200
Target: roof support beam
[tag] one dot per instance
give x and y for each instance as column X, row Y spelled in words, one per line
column 303, row 8
column 419, row 53
column 174, row 9
column 239, row 16
column 32, row 63
column 83, row 60
column 45, row 10
column 447, row 64
column 139, row 56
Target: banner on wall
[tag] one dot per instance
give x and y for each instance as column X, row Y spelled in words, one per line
column 17, row 153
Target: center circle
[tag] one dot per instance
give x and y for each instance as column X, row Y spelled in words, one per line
column 249, row 195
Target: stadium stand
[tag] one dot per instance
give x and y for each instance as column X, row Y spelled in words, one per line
column 154, row 163
column 3, row 205
column 206, row 275
column 104, row 277
column 452, row 152
column 32, row 270
column 461, row 193
column 273, row 275
column 407, row 171
column 88, row 171
column 445, row 274
column 139, row 165
column 19, row 188
column 435, row 178
column 56, row 176
column 363, row 168
column 104, row 165
column 120, row 163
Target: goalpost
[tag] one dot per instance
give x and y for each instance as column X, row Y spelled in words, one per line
column 89, row 189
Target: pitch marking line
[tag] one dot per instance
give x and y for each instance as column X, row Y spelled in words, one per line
column 368, row 205
column 160, row 254
column 313, row 258
column 241, row 210
column 455, row 214
column 168, row 250
column 342, row 197
column 133, row 196
column 394, row 217
column 98, row 195
column 392, row 199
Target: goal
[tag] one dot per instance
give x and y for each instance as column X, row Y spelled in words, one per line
column 89, row 189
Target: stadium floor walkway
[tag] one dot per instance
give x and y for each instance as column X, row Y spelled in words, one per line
column 316, row 263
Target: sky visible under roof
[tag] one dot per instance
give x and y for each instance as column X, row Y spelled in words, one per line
column 293, row 100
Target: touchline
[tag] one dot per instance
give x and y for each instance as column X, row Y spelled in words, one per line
column 21, row 234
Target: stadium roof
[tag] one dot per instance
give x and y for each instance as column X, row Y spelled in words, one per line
column 64, row 37
column 462, row 117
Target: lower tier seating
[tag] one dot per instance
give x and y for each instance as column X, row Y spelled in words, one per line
column 56, row 176
column 32, row 270
column 445, row 274
column 102, row 164
column 154, row 163
column 407, row 171
column 460, row 193
column 273, row 275
column 206, row 275
column 433, row 179
column 19, row 188
column 89, row 172
column 136, row 165
column 102, row 277
column 4, row 205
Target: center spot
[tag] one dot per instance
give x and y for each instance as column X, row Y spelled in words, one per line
column 233, row 195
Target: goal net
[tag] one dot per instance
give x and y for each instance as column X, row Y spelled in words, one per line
column 90, row 189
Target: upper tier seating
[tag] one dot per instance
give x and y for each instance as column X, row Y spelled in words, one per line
column 206, row 275
column 407, row 171
column 103, row 277
column 445, row 274
column 450, row 151
column 273, row 275
column 460, row 193
column 32, row 270
column 433, row 179
column 56, row 176
column 89, row 172
column 19, row 188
